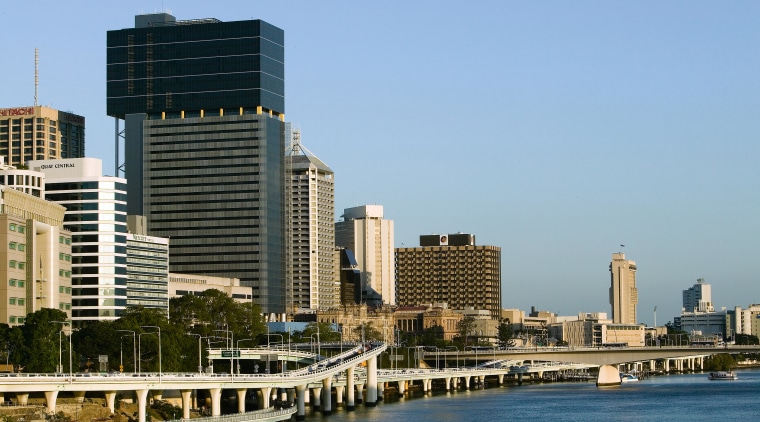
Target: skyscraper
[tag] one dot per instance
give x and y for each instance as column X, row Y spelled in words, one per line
column 624, row 296
column 312, row 215
column 205, row 136
column 96, row 214
column 39, row 133
column 698, row 298
column 365, row 232
column 450, row 269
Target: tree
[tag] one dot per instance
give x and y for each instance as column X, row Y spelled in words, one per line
column 506, row 334
column 367, row 332
column 747, row 339
column 324, row 331
column 465, row 326
column 720, row 362
column 432, row 336
column 11, row 345
column 40, row 348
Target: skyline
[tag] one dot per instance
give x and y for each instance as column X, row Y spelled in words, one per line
column 557, row 132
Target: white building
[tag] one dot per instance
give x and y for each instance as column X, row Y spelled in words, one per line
column 312, row 219
column 196, row 284
column 96, row 214
column 370, row 236
column 698, row 298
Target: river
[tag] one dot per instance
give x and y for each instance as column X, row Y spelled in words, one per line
column 688, row 397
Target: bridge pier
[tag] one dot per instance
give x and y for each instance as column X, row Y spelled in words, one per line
column 380, row 390
column 290, row 395
column 79, row 396
column 500, row 379
column 110, row 399
column 216, row 401
column 187, row 396
column 142, row 399
column 339, row 391
column 467, row 382
column 371, row 382
column 317, row 398
column 327, row 396
column 240, row 399
column 350, row 403
column 608, row 375
column 50, row 398
column 157, row 394
column 401, row 387
column 265, row 394
column 519, row 379
column 301, row 392
column 447, row 382
column 359, row 393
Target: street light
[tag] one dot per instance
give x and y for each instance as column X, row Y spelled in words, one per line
column 457, row 349
column 238, row 348
column 159, row 346
column 139, row 350
column 71, row 332
column 230, row 345
column 134, row 348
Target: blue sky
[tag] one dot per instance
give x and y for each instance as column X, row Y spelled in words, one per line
column 555, row 130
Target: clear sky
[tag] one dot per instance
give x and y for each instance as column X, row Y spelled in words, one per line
column 555, row 130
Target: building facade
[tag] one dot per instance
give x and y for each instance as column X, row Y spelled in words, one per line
column 148, row 271
column 96, row 214
column 195, row 285
column 624, row 296
column 39, row 133
column 312, row 216
column 205, row 136
column 370, row 236
column 36, row 254
column 464, row 276
column 698, row 298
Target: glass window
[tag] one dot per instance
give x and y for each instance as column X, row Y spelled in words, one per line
column 12, row 245
column 12, row 264
column 21, row 265
column 11, row 300
column 12, row 319
column 60, row 289
column 21, row 320
column 12, row 282
column 68, row 241
column 21, row 229
column 21, row 247
column 21, row 283
column 20, row 301
column 12, row 227
column 68, row 290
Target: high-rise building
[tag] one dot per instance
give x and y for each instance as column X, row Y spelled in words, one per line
column 365, row 232
column 450, row 269
column 205, row 136
column 148, row 271
column 698, row 298
column 96, row 214
column 37, row 259
column 312, row 216
column 624, row 296
column 39, row 133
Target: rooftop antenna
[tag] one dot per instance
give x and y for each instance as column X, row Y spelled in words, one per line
column 36, row 73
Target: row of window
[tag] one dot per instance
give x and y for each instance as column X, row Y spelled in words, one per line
column 64, row 306
column 17, row 246
column 17, row 264
column 64, row 257
column 64, row 240
column 16, row 283
column 63, row 273
column 66, row 290
column 16, row 320
column 16, row 228
column 16, row 301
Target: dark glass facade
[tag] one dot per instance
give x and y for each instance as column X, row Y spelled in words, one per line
column 195, row 65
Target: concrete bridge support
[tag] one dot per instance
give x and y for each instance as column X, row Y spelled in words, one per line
column 667, row 365
column 519, row 379
column 339, row 391
column 290, row 395
column 186, row 402
column 350, row 403
column 359, row 392
column 142, row 401
column 216, row 401
column 500, row 379
column 447, row 382
column 608, row 375
column 79, row 396
column 380, row 390
column 50, row 397
column 317, row 398
column 264, row 394
column 110, row 400
column 157, row 394
column 371, row 382
column 240, row 399
column 467, row 382
column 327, row 396
column 301, row 393
column 401, row 387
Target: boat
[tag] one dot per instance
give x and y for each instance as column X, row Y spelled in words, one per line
column 624, row 378
column 723, row 375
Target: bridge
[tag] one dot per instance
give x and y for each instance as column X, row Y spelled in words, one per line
column 346, row 374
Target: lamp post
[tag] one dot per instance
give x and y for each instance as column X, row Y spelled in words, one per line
column 231, row 345
column 455, row 348
column 200, row 352
column 139, row 351
column 71, row 331
column 134, row 348
column 159, row 346
column 238, row 348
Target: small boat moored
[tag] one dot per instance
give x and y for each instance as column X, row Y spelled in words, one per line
column 723, row 375
column 628, row 377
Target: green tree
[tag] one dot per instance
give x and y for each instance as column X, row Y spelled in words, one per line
column 325, row 330
column 40, row 348
column 746, row 340
column 432, row 336
column 465, row 326
column 506, row 335
column 11, row 345
column 720, row 362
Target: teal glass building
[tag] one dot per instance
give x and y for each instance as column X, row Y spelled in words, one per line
column 202, row 102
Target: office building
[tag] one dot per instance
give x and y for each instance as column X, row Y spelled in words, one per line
column 96, row 214
column 312, row 216
column 624, row 296
column 196, row 285
column 148, row 271
column 698, row 298
column 205, row 134
column 370, row 236
column 463, row 275
column 39, row 133
column 37, row 257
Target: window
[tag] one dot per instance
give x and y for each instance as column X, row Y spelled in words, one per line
column 60, row 255
column 21, row 229
column 60, row 289
column 11, row 300
column 12, row 319
column 12, row 245
column 21, row 283
column 12, row 264
column 12, row 282
column 21, row 247
column 12, row 227
column 21, row 320
column 21, row 265
column 68, row 290
column 68, row 241
column 20, row 301
column 60, row 239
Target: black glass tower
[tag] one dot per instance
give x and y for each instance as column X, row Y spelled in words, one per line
column 204, row 141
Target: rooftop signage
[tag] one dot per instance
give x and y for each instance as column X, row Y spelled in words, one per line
column 19, row 111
